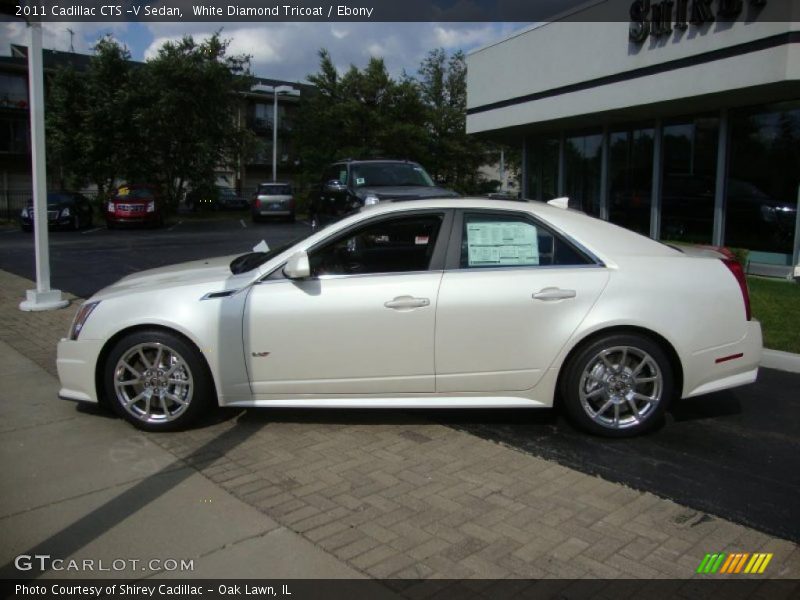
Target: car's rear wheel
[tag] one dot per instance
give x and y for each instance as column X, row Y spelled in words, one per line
column 157, row 381
column 618, row 385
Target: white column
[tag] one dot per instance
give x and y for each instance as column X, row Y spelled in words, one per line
column 42, row 298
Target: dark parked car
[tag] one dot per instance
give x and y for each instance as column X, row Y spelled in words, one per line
column 135, row 204
column 220, row 197
column 274, row 199
column 349, row 185
column 65, row 210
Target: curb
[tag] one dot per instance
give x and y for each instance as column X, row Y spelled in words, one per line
column 783, row 361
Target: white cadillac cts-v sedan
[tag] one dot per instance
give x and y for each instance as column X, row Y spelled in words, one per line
column 422, row 304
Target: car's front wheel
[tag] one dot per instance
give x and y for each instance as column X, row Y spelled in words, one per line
column 157, row 380
column 618, row 385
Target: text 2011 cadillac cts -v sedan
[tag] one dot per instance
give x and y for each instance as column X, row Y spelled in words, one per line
column 430, row 303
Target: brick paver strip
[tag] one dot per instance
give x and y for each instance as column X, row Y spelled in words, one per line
column 396, row 496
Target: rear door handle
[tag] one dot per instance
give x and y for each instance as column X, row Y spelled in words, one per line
column 407, row 303
column 553, row 293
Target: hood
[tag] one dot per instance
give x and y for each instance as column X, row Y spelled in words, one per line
column 406, row 192
column 214, row 271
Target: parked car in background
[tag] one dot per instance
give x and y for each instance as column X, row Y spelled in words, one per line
column 349, row 185
column 219, row 197
column 271, row 200
column 134, row 204
column 424, row 304
column 65, row 210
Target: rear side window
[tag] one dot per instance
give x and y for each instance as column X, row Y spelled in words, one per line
column 505, row 240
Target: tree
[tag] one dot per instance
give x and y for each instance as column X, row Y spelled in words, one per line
column 90, row 132
column 361, row 114
column 188, row 99
column 453, row 155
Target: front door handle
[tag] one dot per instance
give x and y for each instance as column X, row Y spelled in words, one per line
column 407, row 303
column 553, row 293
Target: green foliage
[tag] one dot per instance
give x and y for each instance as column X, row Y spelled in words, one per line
column 364, row 113
column 168, row 122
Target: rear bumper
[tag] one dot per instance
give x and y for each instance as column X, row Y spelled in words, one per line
column 725, row 366
column 75, row 361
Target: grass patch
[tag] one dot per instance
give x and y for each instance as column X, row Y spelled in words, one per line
column 776, row 303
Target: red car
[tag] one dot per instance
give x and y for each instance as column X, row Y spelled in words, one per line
column 135, row 204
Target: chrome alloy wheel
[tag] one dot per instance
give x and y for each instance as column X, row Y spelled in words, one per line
column 620, row 387
column 153, row 383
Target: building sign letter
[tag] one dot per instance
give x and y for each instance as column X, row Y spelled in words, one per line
column 656, row 19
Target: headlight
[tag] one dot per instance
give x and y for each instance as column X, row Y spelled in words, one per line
column 24, row 213
column 80, row 319
column 768, row 214
column 151, row 206
column 65, row 212
column 371, row 200
column 110, row 207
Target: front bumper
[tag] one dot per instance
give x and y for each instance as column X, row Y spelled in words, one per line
column 724, row 367
column 75, row 361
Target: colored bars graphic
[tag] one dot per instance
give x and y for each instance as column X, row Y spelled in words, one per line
column 735, row 562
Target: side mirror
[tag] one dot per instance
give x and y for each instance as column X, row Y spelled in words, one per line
column 333, row 185
column 297, row 267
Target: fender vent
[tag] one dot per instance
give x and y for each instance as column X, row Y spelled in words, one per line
column 222, row 294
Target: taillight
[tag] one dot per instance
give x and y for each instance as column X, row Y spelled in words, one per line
column 291, row 202
column 257, row 202
column 736, row 268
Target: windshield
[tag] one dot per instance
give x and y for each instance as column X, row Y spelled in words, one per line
column 390, row 174
column 126, row 193
column 227, row 192
column 252, row 260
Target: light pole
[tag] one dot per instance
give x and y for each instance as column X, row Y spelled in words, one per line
column 277, row 91
column 42, row 298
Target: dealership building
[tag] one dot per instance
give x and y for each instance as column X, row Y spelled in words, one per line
column 682, row 123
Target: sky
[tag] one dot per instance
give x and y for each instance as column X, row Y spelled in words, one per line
column 286, row 51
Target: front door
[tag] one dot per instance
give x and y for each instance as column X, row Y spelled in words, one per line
column 363, row 323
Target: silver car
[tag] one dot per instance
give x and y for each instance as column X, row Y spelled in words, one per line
column 274, row 199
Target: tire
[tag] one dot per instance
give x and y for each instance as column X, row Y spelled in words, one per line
column 291, row 218
column 606, row 380
column 76, row 223
column 164, row 403
column 27, row 228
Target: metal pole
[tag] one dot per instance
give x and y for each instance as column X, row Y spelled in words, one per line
column 274, row 135
column 42, row 298
column 796, row 253
column 720, row 191
column 655, row 189
column 502, row 170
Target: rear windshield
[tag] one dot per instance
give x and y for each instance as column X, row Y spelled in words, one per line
column 275, row 190
column 124, row 193
column 390, row 174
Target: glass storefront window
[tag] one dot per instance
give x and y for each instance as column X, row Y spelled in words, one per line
column 688, row 179
column 582, row 167
column 763, row 178
column 630, row 176
column 542, row 168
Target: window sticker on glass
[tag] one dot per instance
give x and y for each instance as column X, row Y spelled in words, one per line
column 359, row 181
column 502, row 243
column 421, row 240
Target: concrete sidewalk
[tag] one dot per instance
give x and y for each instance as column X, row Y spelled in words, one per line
column 79, row 486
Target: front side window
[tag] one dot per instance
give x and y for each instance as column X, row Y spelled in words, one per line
column 336, row 173
column 400, row 244
column 498, row 240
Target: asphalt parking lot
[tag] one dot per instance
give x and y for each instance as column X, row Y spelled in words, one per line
column 734, row 454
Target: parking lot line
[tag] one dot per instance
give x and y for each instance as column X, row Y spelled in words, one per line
column 244, row 225
column 174, row 226
column 93, row 229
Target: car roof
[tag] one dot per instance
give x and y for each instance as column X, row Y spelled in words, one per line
column 399, row 161
column 274, row 183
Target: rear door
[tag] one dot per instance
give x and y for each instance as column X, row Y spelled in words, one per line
column 513, row 293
